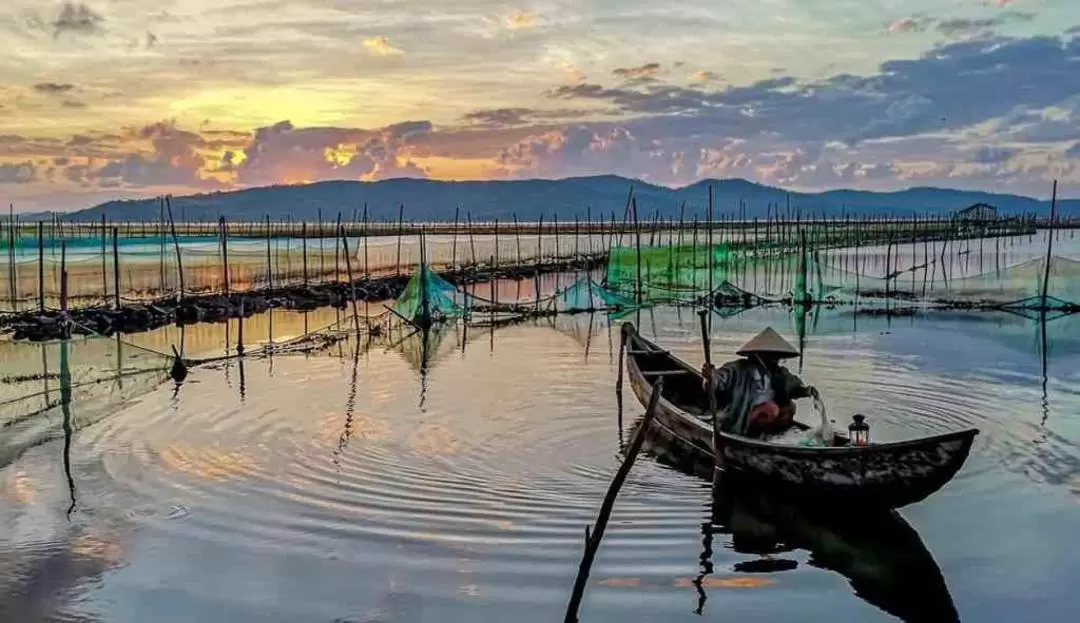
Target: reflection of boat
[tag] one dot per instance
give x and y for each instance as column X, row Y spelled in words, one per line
column 886, row 475
column 881, row 555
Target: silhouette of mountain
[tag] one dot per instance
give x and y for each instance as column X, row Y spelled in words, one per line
column 600, row 196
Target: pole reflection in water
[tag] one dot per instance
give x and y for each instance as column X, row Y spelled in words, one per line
column 350, row 405
column 65, row 407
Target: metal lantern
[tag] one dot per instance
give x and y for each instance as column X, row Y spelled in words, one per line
column 860, row 430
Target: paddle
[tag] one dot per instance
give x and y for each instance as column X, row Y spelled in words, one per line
column 710, row 385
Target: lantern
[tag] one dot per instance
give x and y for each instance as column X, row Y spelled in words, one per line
column 860, row 430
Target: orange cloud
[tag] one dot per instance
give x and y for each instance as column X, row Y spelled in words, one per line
column 704, row 76
column 520, row 20
column 381, row 46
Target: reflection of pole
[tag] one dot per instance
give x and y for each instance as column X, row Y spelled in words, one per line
column 593, row 538
column 65, row 408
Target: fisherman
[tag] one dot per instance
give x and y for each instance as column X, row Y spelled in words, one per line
column 754, row 394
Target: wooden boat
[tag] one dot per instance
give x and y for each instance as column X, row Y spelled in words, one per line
column 882, row 475
column 878, row 552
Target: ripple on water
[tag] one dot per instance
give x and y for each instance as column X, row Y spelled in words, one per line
column 277, row 470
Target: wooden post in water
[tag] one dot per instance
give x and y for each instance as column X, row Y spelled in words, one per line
column 13, row 273
column 176, row 245
column 352, row 284
column 709, row 245
column 104, row 261
column 1049, row 250
column 63, row 277
column 322, row 252
column 116, row 267
column 223, row 234
column 240, row 330
column 539, row 258
column 517, row 240
column 637, row 243
column 161, row 258
column 365, row 233
column 453, row 240
column 337, row 254
column 269, row 259
column 400, row 225
column 593, row 537
column 41, row 266
column 303, row 249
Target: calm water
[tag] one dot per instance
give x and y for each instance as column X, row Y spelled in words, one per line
column 349, row 486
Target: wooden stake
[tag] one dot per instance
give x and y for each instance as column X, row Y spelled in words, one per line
column 63, row 277
column 116, row 267
column 593, row 538
column 269, row 259
column 352, row 284
column 41, row 266
column 303, row 243
column 1049, row 246
column 104, row 261
column 400, row 221
column 224, row 235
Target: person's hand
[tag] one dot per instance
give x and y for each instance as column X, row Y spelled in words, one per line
column 707, row 370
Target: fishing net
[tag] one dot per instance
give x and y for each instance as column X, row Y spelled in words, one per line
column 89, row 376
column 587, row 295
column 426, row 290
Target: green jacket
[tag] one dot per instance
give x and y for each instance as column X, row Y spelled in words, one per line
column 734, row 386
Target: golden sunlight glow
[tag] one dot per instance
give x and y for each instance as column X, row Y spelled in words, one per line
column 519, row 20
column 381, row 46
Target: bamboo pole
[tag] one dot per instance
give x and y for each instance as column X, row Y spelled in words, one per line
column 41, row 266
column 176, row 245
column 401, row 224
column 352, row 284
column 104, row 260
column 593, row 537
column 224, row 235
column 116, row 267
column 269, row 259
column 303, row 249
column 1049, row 247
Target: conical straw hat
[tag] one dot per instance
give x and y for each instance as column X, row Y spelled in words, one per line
column 770, row 342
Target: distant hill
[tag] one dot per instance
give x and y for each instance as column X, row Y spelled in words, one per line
column 429, row 200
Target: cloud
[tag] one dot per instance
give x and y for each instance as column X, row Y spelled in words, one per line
column 19, row 173
column 519, row 20
column 77, row 18
column 572, row 73
column 283, row 153
column 70, row 103
column 499, row 116
column 647, row 71
column 53, row 88
column 381, row 46
column 994, row 155
column 951, row 86
column 966, row 26
column 906, row 24
column 704, row 76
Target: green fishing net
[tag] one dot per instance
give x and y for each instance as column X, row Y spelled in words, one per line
column 442, row 298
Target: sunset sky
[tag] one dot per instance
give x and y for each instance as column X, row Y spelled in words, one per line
column 125, row 98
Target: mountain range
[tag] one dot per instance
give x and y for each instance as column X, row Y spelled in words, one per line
column 430, row 200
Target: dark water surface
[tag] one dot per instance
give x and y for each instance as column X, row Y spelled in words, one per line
column 349, row 486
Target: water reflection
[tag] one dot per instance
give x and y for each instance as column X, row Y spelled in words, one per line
column 881, row 555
